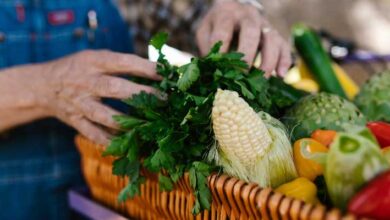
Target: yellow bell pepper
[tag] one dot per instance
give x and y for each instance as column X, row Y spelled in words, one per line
column 304, row 70
column 349, row 86
column 307, row 85
column 300, row 188
column 308, row 168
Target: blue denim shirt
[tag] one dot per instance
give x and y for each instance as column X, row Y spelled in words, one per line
column 38, row 162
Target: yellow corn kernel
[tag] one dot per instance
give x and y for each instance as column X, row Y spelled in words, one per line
column 246, row 136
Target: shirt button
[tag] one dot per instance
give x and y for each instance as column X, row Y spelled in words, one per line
column 2, row 37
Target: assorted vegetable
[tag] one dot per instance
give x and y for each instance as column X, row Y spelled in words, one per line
column 321, row 111
column 174, row 135
column 374, row 97
column 219, row 115
column 373, row 200
column 353, row 160
column 354, row 157
column 317, row 60
column 381, row 131
column 308, row 168
column 300, row 188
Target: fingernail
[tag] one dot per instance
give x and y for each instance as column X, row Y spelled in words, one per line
column 282, row 71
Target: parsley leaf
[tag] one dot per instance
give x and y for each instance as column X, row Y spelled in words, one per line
column 215, row 49
column 161, row 160
column 131, row 190
column 173, row 142
column 127, row 122
column 256, row 81
column 199, row 172
column 159, row 40
column 119, row 145
column 119, row 167
column 234, row 55
column 133, row 152
column 244, row 91
column 165, row 183
column 189, row 74
column 146, row 105
column 144, row 101
column 153, row 130
column 177, row 172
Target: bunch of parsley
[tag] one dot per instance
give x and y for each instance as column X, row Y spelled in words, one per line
column 173, row 136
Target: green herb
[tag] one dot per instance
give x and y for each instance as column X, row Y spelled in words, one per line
column 173, row 136
column 159, row 40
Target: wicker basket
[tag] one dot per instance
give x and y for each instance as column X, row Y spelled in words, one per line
column 232, row 198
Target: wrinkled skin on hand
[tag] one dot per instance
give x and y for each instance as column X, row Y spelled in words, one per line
column 70, row 88
column 255, row 33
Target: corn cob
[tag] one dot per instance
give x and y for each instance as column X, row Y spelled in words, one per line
column 238, row 128
column 247, row 147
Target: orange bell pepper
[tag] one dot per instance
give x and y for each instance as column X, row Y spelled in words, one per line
column 325, row 137
column 308, row 168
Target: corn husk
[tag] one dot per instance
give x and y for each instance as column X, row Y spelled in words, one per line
column 271, row 169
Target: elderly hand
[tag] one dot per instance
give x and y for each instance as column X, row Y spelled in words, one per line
column 70, row 88
column 255, row 32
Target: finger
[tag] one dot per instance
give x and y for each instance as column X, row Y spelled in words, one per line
column 118, row 88
column 89, row 130
column 222, row 30
column 98, row 113
column 203, row 36
column 269, row 55
column 249, row 40
column 114, row 63
column 284, row 60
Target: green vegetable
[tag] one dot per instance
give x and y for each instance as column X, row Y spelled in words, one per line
column 374, row 97
column 353, row 160
column 174, row 135
column 321, row 111
column 313, row 54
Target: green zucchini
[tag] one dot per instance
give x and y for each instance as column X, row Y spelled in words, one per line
column 309, row 47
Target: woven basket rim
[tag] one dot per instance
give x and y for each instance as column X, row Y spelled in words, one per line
column 261, row 201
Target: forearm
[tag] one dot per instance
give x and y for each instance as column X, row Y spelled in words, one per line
column 18, row 102
column 14, row 118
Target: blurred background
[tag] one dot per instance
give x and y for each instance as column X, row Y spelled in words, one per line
column 364, row 24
